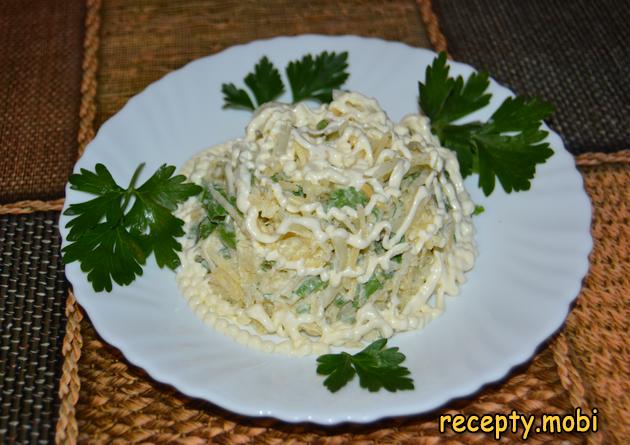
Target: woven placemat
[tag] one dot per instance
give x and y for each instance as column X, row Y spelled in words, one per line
column 597, row 329
column 118, row 403
column 141, row 410
column 40, row 73
column 32, row 295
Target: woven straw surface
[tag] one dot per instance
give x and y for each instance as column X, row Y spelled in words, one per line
column 32, row 295
column 571, row 53
column 121, row 403
column 40, row 73
column 597, row 328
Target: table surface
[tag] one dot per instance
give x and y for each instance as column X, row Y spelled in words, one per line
column 66, row 67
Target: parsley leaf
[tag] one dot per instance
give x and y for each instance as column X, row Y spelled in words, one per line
column 107, row 253
column 459, row 139
column 310, row 78
column 299, row 191
column 376, row 367
column 205, row 228
column 215, row 211
column 316, row 78
column 338, row 368
column 371, row 286
column 512, row 157
column 112, row 242
column 349, row 197
column 310, row 285
column 507, row 147
column 444, row 99
column 217, row 218
column 227, row 235
column 89, row 213
column 478, row 210
column 234, row 97
column 265, row 82
column 322, row 124
column 365, row 290
column 277, row 177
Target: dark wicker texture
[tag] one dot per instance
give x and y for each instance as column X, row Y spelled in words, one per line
column 571, row 53
column 32, row 296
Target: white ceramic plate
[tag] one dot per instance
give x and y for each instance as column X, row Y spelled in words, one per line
column 533, row 251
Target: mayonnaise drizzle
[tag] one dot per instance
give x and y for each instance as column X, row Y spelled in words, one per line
column 281, row 173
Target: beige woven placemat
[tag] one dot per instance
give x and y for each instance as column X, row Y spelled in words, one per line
column 105, row 400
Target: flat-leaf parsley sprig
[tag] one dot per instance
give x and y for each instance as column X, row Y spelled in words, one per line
column 265, row 82
column 508, row 146
column 316, row 78
column 376, row 367
column 309, row 78
column 113, row 234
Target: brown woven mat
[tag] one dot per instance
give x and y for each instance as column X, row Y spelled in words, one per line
column 586, row 365
column 141, row 410
column 40, row 74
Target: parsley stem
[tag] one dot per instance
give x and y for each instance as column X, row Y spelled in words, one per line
column 132, row 184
